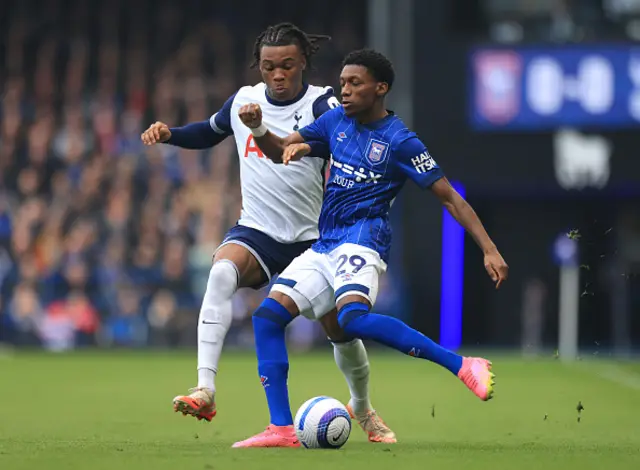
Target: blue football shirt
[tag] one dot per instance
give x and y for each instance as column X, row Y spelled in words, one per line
column 369, row 166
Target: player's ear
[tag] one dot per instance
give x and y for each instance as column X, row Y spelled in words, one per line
column 382, row 89
column 303, row 63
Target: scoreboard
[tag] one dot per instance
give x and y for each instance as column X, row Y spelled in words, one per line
column 543, row 88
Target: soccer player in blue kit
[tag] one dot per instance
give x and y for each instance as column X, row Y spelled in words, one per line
column 373, row 155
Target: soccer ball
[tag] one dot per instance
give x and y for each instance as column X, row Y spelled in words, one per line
column 323, row 423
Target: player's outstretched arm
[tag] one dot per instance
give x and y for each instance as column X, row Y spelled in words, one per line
column 270, row 144
column 462, row 211
column 197, row 135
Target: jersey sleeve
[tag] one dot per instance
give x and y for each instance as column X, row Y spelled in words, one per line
column 320, row 129
column 204, row 134
column 220, row 122
column 319, row 150
column 324, row 103
column 195, row 136
column 414, row 161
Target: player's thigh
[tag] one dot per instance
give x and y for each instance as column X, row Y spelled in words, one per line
column 356, row 275
column 250, row 271
column 304, row 282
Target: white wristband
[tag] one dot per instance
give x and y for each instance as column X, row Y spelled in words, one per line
column 260, row 131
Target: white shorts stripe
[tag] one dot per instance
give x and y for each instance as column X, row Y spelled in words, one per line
column 317, row 281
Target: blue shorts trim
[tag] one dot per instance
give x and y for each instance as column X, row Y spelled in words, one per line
column 272, row 255
column 286, row 282
column 352, row 288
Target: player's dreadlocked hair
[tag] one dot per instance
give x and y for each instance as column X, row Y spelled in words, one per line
column 378, row 65
column 285, row 34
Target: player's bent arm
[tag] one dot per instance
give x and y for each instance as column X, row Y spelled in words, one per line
column 197, row 135
column 273, row 146
column 462, row 211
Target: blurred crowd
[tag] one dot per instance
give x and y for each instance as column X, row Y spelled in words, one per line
column 102, row 240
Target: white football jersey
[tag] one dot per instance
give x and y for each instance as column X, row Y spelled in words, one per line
column 281, row 201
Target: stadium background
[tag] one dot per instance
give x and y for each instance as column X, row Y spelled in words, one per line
column 106, row 243
column 531, row 107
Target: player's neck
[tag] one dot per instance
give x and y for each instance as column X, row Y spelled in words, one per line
column 376, row 113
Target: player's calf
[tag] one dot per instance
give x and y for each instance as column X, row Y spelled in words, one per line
column 269, row 323
column 356, row 320
column 332, row 328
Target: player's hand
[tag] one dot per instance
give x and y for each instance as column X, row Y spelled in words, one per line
column 496, row 267
column 251, row 115
column 295, row 152
column 157, row 132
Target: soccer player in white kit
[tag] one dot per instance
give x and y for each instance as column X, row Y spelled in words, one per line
column 268, row 235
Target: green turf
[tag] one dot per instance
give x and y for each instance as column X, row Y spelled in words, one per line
column 113, row 411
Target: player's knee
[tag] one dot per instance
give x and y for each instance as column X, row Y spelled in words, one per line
column 248, row 269
column 351, row 311
column 332, row 328
column 223, row 280
column 286, row 301
column 275, row 312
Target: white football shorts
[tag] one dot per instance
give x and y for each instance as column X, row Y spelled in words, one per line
column 317, row 281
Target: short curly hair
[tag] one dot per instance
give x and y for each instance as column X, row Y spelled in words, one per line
column 285, row 34
column 376, row 63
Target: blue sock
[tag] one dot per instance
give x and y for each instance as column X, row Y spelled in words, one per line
column 356, row 320
column 269, row 323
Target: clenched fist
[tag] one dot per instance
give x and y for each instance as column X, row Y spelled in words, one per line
column 251, row 115
column 158, row 132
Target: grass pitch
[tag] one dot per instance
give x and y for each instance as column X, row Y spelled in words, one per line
column 97, row 410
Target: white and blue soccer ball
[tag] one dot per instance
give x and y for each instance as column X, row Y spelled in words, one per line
column 322, row 423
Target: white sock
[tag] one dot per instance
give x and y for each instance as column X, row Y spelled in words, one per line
column 215, row 320
column 352, row 360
